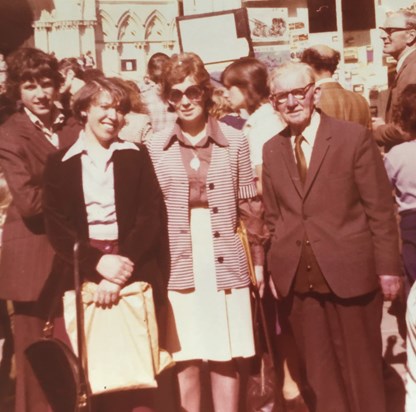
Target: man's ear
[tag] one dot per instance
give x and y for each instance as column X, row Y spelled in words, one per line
column 316, row 95
column 411, row 37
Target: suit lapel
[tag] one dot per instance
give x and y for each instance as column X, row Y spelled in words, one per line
column 319, row 151
column 40, row 146
column 289, row 159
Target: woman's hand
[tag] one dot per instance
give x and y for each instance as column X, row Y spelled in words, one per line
column 115, row 268
column 107, row 293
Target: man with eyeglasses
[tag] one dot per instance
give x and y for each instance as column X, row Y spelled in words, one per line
column 333, row 252
column 399, row 39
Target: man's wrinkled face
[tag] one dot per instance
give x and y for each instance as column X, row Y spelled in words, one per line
column 395, row 35
column 294, row 95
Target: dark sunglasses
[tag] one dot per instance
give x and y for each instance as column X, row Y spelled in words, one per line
column 390, row 30
column 193, row 93
column 298, row 94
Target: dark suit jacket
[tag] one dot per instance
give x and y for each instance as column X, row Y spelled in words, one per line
column 344, row 104
column 26, row 260
column 345, row 208
column 389, row 135
column 139, row 210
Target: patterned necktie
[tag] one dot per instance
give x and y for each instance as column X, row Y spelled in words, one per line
column 300, row 158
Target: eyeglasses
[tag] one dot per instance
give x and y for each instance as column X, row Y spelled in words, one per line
column 298, row 94
column 390, row 30
column 193, row 93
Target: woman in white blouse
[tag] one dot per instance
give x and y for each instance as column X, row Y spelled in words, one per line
column 246, row 83
column 103, row 193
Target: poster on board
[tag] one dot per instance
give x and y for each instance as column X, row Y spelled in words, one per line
column 268, row 24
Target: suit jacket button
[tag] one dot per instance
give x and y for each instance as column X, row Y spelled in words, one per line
column 311, row 287
column 211, row 186
column 308, row 243
column 309, row 267
column 217, row 234
column 220, row 259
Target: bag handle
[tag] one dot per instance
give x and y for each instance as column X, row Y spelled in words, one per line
column 84, row 391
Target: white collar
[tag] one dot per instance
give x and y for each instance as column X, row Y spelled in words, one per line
column 57, row 119
column 325, row 80
column 309, row 133
column 264, row 110
column 403, row 58
column 80, row 147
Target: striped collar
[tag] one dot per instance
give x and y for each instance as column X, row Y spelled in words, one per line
column 214, row 133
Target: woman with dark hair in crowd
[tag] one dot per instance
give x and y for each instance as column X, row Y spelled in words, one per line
column 103, row 192
column 137, row 127
column 204, row 171
column 246, row 82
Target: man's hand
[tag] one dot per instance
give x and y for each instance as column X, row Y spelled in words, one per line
column 259, row 272
column 107, row 293
column 390, row 286
column 115, row 268
column 376, row 122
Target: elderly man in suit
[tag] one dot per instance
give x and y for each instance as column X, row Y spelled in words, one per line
column 399, row 39
column 26, row 139
column 333, row 244
column 335, row 101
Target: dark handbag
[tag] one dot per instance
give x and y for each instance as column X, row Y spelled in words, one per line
column 59, row 371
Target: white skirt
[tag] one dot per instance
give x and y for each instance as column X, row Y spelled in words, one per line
column 204, row 323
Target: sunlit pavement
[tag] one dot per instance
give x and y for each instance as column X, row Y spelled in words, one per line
column 394, row 354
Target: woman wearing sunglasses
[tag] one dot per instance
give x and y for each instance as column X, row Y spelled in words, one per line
column 204, row 172
column 103, row 192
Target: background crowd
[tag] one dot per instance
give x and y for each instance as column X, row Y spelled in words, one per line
column 154, row 177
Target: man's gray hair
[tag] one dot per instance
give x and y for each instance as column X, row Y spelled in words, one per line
column 291, row 67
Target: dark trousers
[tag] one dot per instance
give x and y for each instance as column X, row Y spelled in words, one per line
column 339, row 341
column 29, row 320
column 408, row 234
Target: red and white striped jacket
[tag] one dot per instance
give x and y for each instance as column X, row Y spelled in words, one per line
column 229, row 178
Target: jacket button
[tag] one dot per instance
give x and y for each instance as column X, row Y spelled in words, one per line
column 298, row 242
column 215, row 210
column 309, row 267
column 308, row 243
column 217, row 234
column 211, row 186
column 311, row 287
column 220, row 259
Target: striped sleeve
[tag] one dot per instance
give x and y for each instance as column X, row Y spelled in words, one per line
column 246, row 184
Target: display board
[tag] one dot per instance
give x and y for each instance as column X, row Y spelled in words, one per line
column 216, row 37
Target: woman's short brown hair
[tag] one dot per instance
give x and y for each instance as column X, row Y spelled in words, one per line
column 91, row 91
column 137, row 106
column 182, row 65
column 250, row 76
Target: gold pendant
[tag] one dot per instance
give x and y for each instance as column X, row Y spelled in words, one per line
column 195, row 163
